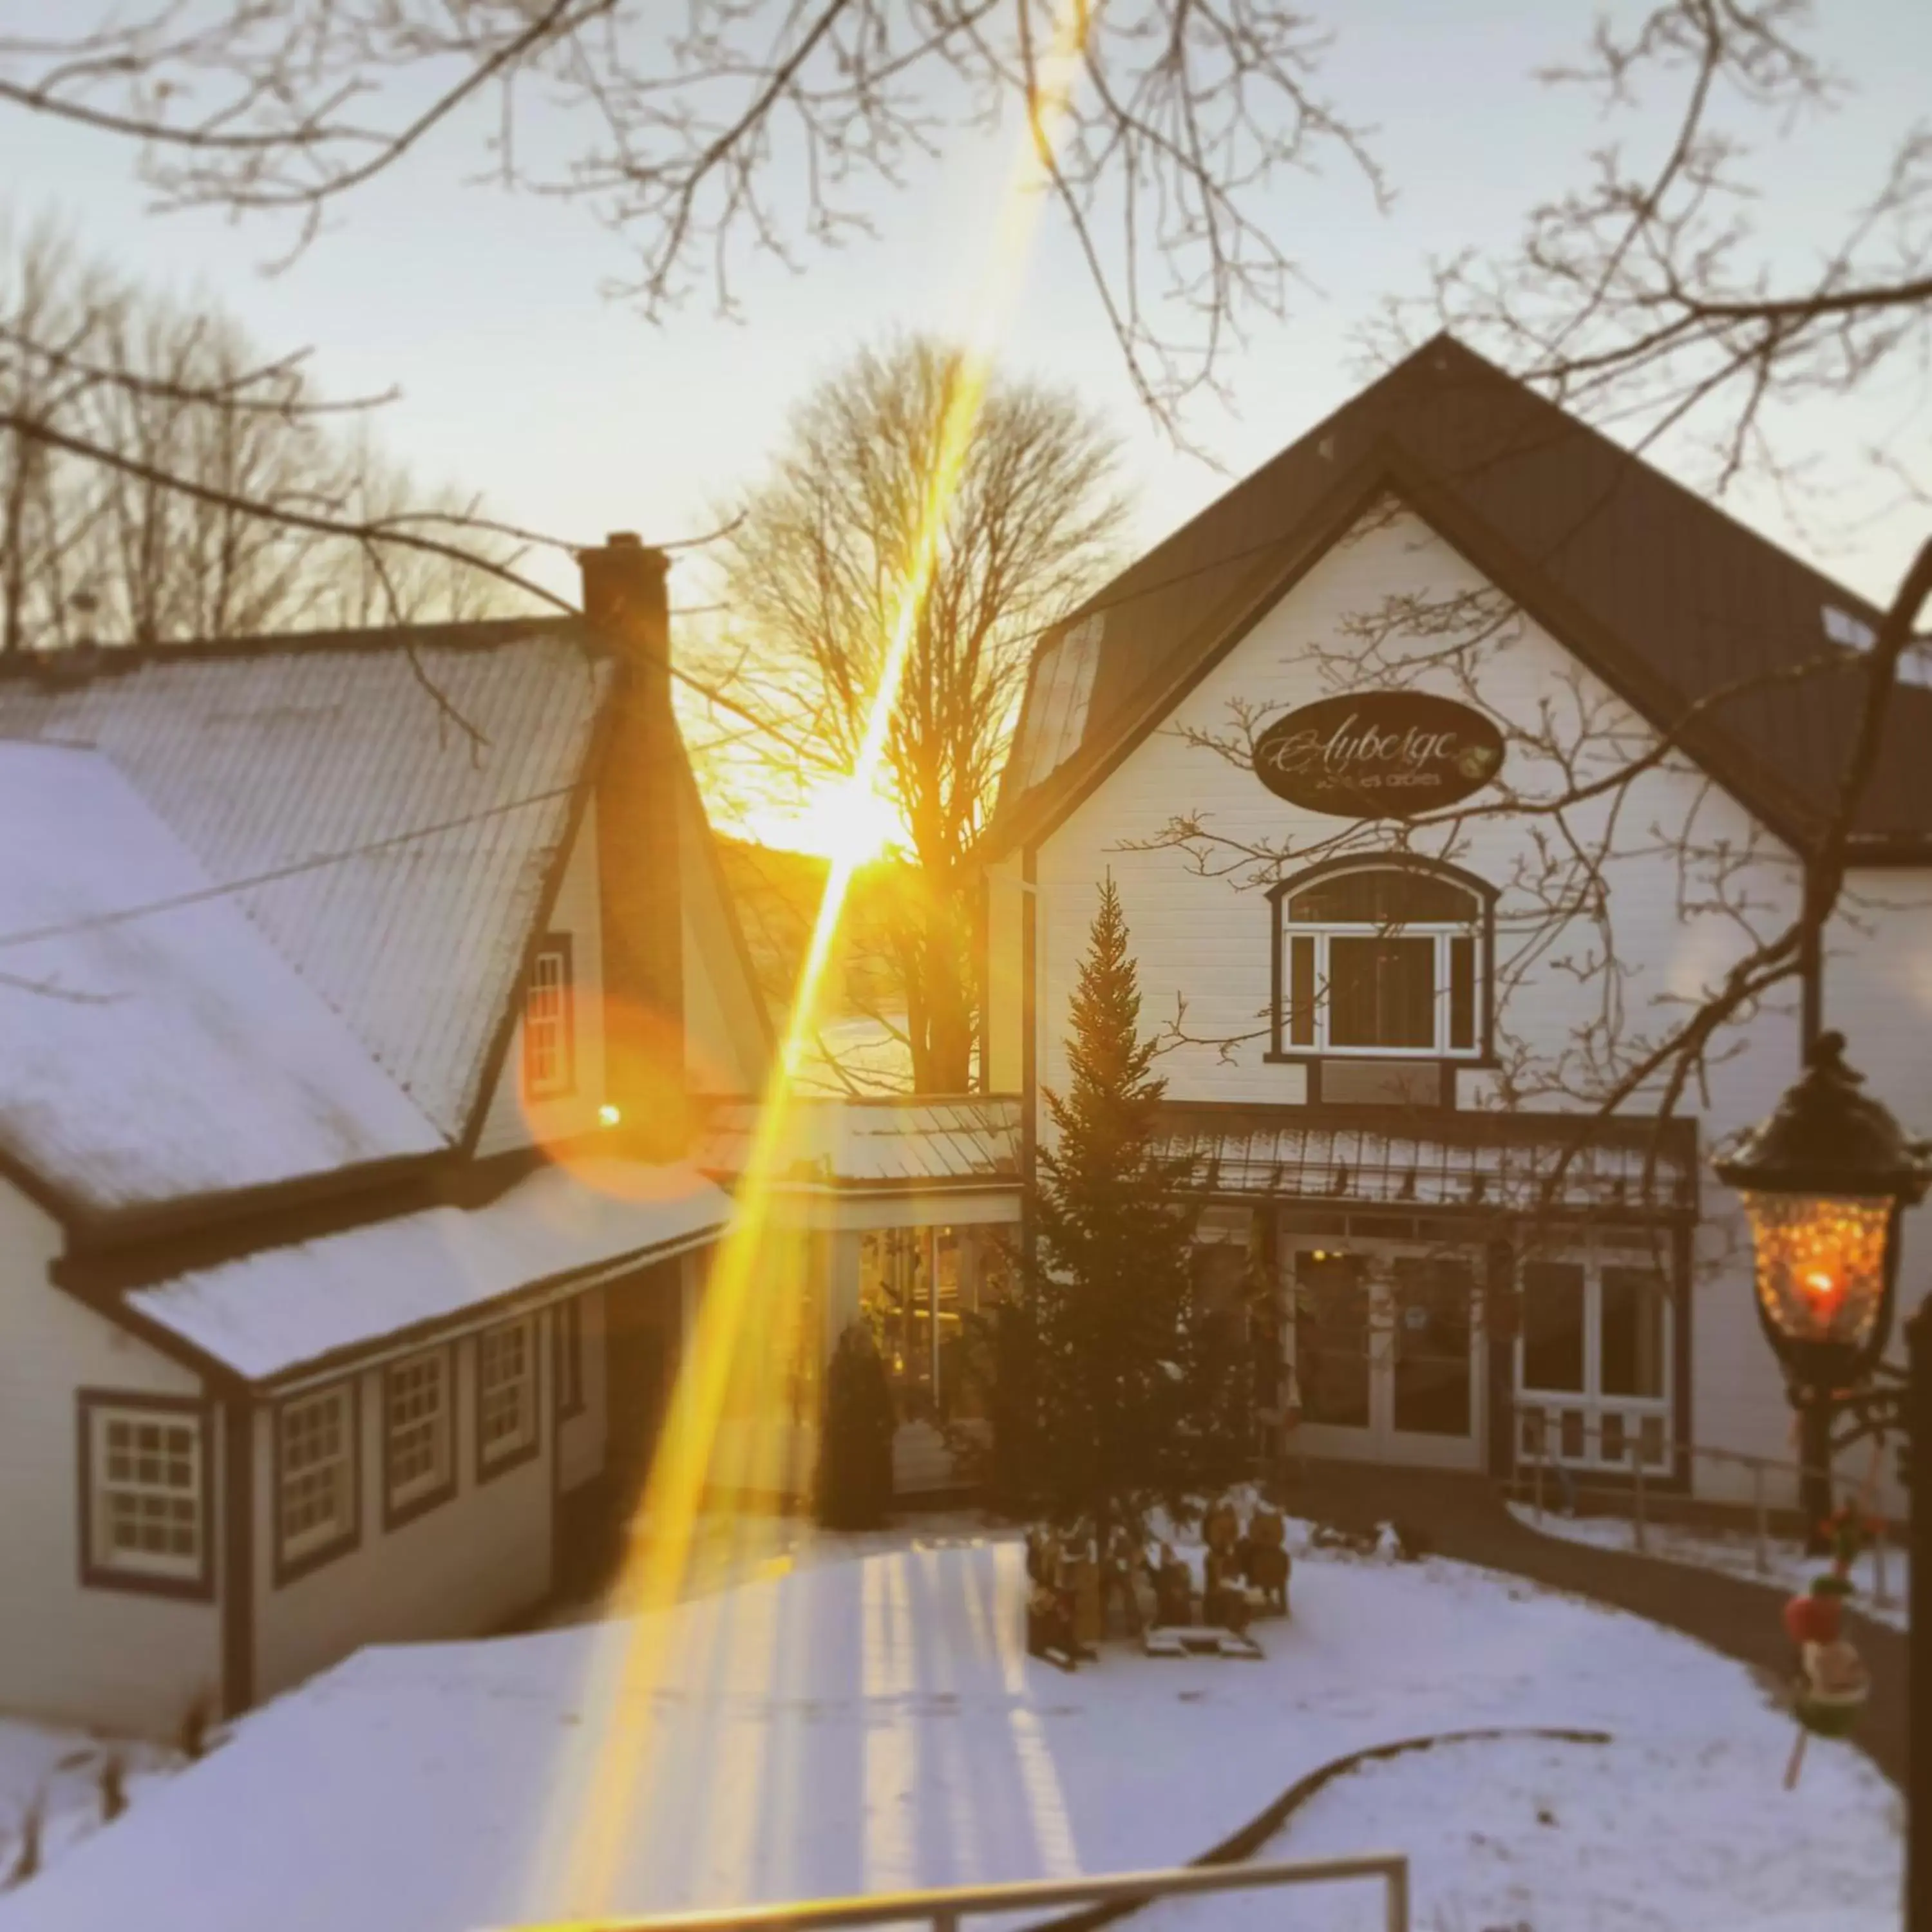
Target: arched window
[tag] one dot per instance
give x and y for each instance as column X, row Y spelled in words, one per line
column 1383, row 958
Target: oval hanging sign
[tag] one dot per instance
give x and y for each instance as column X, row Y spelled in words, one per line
column 1379, row 754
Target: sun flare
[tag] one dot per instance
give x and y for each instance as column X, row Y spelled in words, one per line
column 727, row 1435
column 840, row 818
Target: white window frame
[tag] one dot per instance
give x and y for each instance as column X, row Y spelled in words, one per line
column 1320, row 932
column 1546, row 1408
column 298, row 1474
column 139, row 1453
column 550, row 1031
column 402, row 1382
column 505, row 1451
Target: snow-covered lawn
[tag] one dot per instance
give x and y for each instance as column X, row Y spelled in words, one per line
column 51, row 1780
column 847, row 1725
column 1735, row 1552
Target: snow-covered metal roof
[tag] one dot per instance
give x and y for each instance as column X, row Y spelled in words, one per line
column 169, row 1054
column 279, row 1311
column 972, row 1140
column 401, row 860
column 1504, row 1161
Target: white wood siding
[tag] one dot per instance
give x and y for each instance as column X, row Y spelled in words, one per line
column 114, row 1658
column 464, row 1568
column 514, row 1120
column 1208, row 940
column 1003, row 1018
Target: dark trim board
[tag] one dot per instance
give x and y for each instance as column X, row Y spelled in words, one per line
column 395, row 1515
column 288, row 1570
column 567, row 1315
column 237, row 1555
column 1029, row 1038
column 199, row 1588
column 497, row 1055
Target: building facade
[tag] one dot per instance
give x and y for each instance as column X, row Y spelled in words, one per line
column 1445, row 768
column 361, row 994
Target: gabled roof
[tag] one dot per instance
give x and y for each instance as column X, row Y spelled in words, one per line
column 400, row 862
column 176, row 1054
column 1664, row 596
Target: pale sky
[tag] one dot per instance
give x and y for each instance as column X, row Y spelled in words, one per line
column 569, row 413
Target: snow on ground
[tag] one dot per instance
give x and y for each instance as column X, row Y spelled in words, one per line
column 851, row 1725
column 55, row 1774
column 1735, row 1552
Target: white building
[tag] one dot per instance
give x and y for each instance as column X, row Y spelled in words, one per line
column 1393, row 1034
column 355, row 992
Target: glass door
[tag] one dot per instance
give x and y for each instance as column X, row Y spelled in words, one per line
column 1432, row 1304
column 1387, row 1367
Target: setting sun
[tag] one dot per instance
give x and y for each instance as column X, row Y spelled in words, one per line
column 839, row 819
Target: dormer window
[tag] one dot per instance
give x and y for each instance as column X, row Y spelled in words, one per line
column 1383, row 959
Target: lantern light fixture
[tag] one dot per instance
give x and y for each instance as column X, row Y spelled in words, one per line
column 1824, row 1181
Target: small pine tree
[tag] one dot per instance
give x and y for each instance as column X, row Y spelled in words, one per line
column 855, row 1447
column 1121, row 1388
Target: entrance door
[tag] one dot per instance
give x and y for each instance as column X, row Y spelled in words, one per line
column 1386, row 1362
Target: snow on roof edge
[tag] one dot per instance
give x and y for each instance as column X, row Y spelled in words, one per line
column 280, row 1311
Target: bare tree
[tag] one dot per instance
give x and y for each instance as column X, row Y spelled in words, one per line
column 746, row 127
column 813, row 573
column 125, row 550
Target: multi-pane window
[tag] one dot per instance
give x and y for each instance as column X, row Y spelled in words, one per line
column 1593, row 1353
column 506, row 1393
column 316, row 1465
column 147, row 1511
column 549, row 1022
column 1382, row 960
column 419, row 1446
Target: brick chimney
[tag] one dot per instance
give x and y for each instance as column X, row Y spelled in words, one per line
column 638, row 790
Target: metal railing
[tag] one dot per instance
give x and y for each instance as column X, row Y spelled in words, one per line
column 943, row 1909
column 1540, row 1462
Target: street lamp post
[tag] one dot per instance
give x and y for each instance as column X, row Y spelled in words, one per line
column 1825, row 1182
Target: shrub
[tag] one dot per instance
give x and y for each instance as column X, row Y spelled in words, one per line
column 111, row 1778
column 855, row 1447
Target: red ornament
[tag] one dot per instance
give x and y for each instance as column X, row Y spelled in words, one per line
column 1810, row 1619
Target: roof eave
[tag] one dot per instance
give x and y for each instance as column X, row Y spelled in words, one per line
column 1388, row 467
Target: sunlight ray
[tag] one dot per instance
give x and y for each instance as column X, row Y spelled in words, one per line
column 715, row 1444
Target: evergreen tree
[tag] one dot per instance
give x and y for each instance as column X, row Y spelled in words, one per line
column 855, row 1450
column 1119, row 1388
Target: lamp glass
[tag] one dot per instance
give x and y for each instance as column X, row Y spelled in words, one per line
column 1821, row 1261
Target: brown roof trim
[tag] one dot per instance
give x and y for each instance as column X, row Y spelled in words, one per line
column 1040, row 811
column 1760, row 790
column 740, row 945
column 243, row 1214
column 1388, row 468
column 435, row 1180
column 583, row 789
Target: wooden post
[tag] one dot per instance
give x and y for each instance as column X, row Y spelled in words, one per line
column 1763, row 1560
column 1643, row 1528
